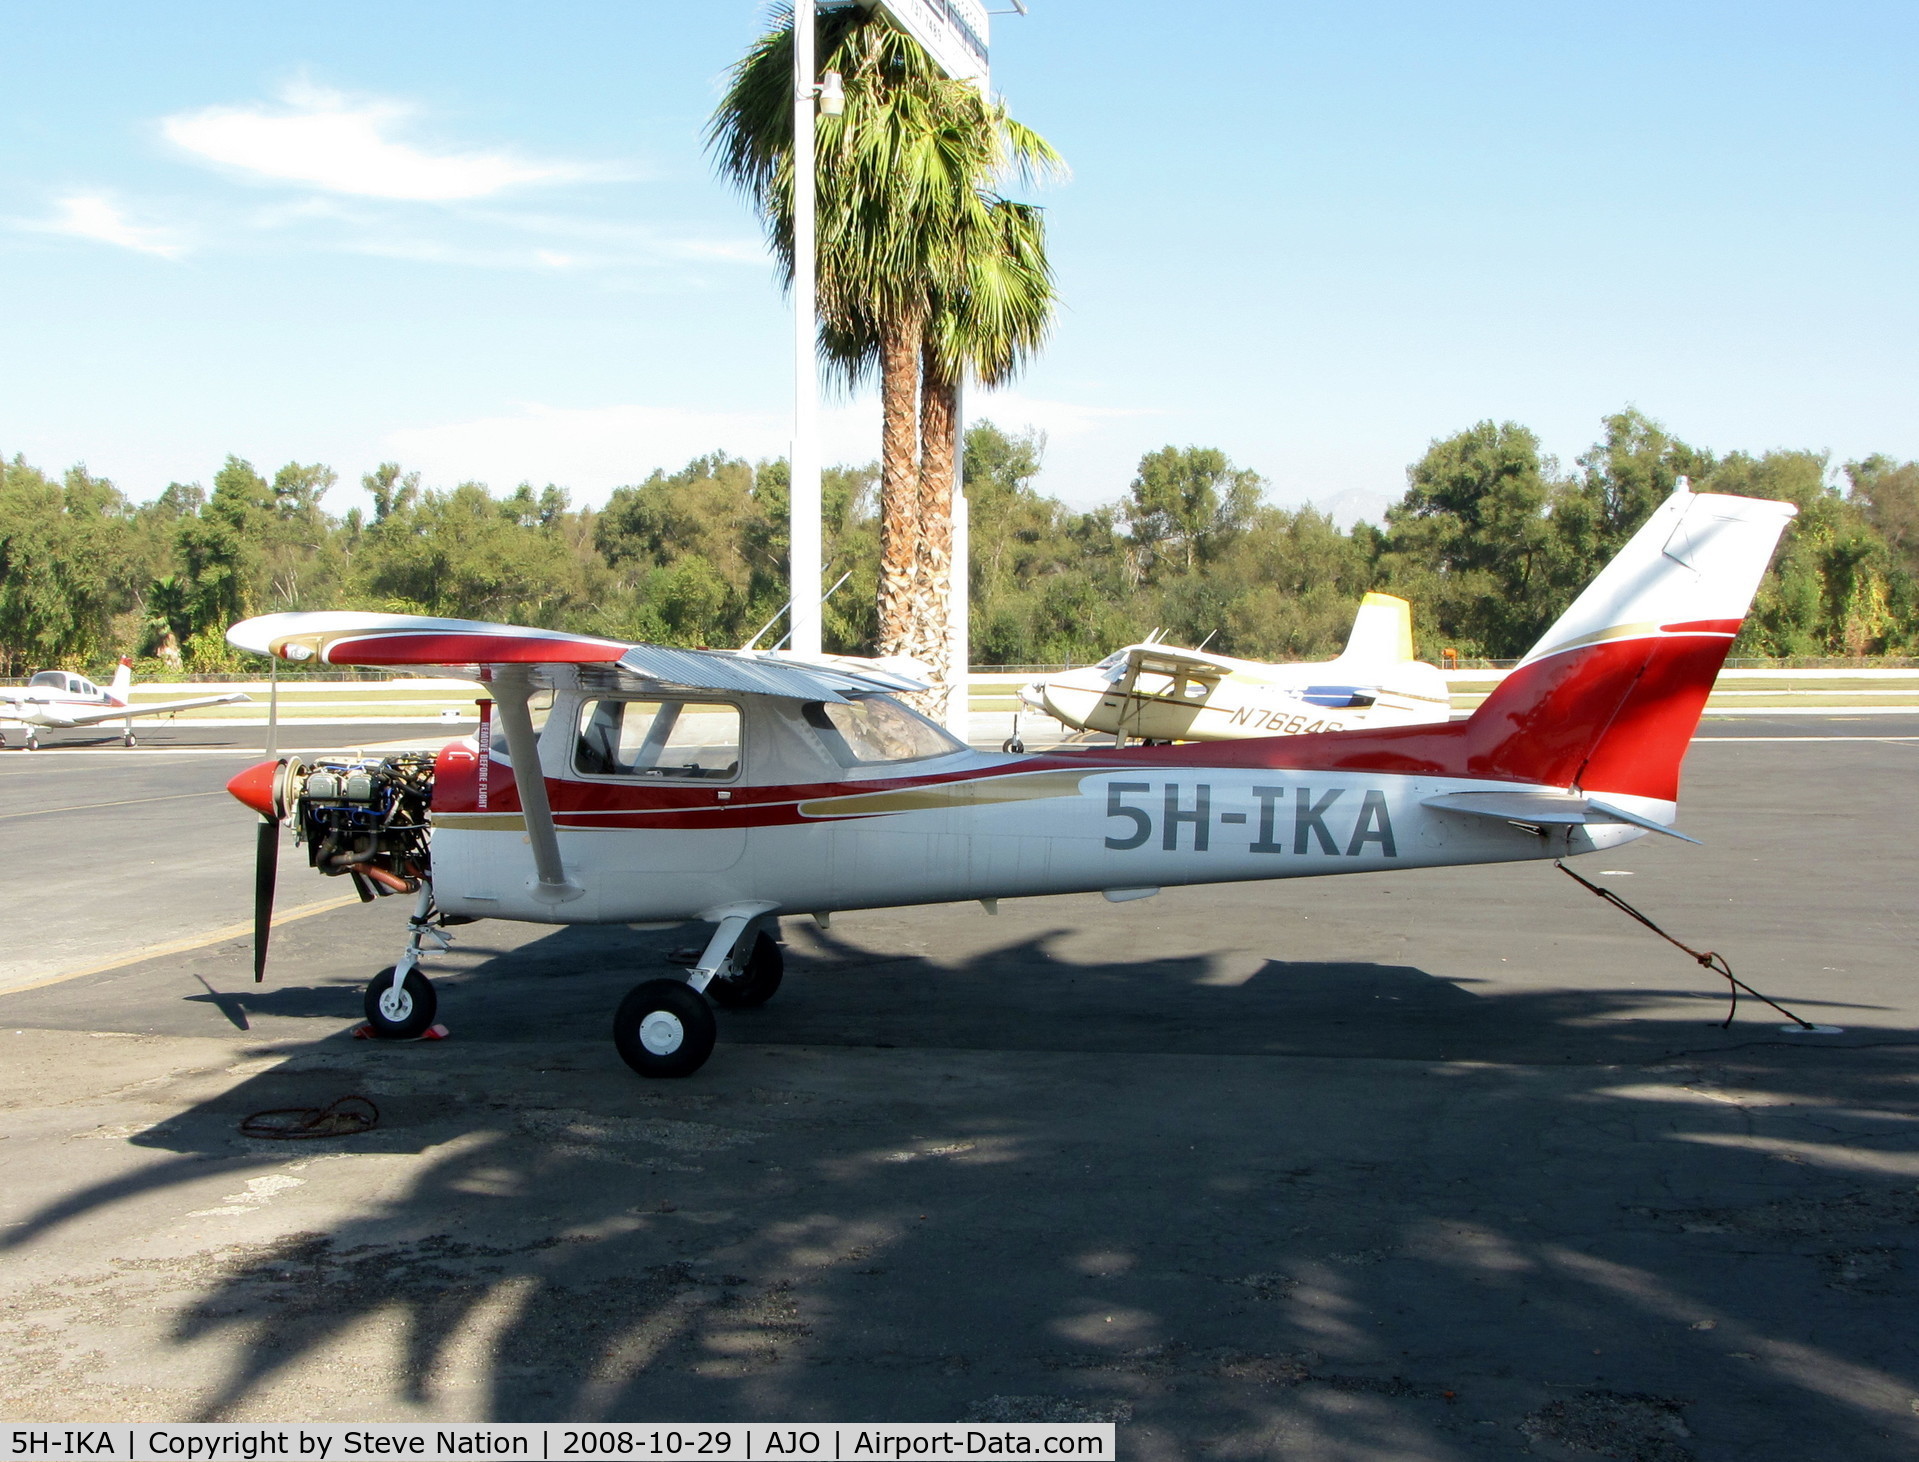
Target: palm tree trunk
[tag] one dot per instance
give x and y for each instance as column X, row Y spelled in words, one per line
column 939, row 398
column 899, row 483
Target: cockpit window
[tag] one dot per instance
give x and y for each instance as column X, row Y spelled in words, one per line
column 50, row 677
column 876, row 729
column 669, row 739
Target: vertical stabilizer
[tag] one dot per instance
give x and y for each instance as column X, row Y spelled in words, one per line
column 1382, row 631
column 122, row 688
column 1610, row 696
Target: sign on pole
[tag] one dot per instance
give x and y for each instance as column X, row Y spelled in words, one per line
column 953, row 32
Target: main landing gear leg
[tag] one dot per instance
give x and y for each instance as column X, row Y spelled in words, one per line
column 666, row 1027
column 400, row 1003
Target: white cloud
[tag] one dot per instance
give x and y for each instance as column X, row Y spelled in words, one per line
column 330, row 141
column 89, row 216
column 1058, row 419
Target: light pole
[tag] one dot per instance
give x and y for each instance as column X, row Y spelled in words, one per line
column 803, row 535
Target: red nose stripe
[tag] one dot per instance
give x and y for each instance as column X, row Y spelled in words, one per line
column 254, row 786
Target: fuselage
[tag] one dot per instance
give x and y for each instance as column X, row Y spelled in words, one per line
column 1232, row 699
column 789, row 825
column 55, row 698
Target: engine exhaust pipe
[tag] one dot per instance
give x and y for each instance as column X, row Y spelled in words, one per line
column 391, row 882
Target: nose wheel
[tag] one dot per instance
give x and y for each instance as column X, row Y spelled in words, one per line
column 403, row 1011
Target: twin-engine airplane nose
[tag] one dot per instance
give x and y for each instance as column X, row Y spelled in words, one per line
column 255, row 787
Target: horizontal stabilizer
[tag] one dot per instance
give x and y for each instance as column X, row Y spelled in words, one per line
column 1546, row 809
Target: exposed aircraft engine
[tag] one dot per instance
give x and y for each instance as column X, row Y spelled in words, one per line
column 365, row 818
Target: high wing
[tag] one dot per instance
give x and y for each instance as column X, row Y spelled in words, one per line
column 469, row 647
column 513, row 660
column 1172, row 660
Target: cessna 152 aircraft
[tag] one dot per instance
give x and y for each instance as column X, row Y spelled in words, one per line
column 1157, row 692
column 670, row 785
column 57, row 698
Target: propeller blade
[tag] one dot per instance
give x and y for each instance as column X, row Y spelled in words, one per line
column 266, row 868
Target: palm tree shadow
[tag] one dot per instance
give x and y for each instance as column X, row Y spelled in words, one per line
column 1005, row 1216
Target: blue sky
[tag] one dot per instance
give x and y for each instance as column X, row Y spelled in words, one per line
column 483, row 239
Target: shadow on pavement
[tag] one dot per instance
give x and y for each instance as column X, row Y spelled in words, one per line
column 1446, row 1225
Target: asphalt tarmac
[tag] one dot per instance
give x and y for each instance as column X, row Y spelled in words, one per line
column 1426, row 1165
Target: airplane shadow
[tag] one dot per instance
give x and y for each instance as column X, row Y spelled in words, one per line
column 924, row 1188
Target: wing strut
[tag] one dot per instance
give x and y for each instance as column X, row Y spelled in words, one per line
column 513, row 689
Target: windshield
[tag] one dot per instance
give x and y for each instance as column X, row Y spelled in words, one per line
column 876, row 729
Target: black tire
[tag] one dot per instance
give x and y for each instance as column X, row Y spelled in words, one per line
column 127, row 739
column 664, row 1028
column 33, row 742
column 1013, row 746
column 408, row 1014
column 756, row 981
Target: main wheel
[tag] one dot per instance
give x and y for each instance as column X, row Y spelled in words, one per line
column 33, row 742
column 126, row 738
column 403, row 1014
column 664, row 1028
column 755, row 980
column 1013, row 746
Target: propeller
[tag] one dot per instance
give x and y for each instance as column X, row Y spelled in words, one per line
column 266, row 871
column 269, row 788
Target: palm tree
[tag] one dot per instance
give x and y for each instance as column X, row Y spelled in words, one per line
column 986, row 322
column 903, row 205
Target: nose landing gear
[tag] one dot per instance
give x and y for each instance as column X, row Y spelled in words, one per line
column 400, row 1002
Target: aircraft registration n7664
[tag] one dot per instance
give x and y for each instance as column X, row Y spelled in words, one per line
column 674, row 785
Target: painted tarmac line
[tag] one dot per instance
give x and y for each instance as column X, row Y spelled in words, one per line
column 121, row 802
column 184, row 946
column 1882, row 740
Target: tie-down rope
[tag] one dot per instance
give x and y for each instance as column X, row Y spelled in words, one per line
column 1708, row 959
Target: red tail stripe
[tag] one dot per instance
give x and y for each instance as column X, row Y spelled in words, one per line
column 1704, row 627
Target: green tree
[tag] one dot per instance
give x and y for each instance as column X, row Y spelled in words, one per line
column 1888, row 493
column 1624, row 477
column 466, row 554
column 1470, row 544
column 904, row 187
column 66, row 564
column 1184, row 505
column 1834, row 587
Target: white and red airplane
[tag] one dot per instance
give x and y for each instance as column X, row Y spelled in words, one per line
column 1159, row 692
column 672, row 785
column 61, row 700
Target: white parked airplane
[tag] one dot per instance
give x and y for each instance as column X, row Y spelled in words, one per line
column 1156, row 692
column 671, row 785
column 61, row 700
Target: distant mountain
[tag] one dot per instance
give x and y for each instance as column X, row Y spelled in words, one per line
column 1356, row 504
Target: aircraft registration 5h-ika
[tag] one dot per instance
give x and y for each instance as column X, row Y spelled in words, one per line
column 671, row 785
column 1158, row 692
column 62, row 700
